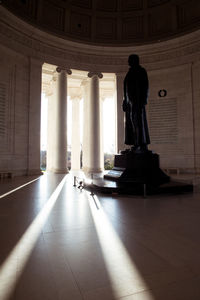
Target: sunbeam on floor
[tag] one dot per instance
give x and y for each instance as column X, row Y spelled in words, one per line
column 19, row 256
column 124, row 274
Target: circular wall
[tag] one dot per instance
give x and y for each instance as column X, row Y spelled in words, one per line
column 172, row 65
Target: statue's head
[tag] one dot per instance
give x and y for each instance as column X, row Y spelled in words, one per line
column 133, row 60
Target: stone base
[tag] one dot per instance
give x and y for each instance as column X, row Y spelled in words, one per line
column 137, row 168
column 88, row 170
column 137, row 174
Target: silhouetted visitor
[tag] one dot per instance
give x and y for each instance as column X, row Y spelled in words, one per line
column 135, row 98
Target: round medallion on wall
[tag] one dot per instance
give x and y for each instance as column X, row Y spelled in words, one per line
column 162, row 93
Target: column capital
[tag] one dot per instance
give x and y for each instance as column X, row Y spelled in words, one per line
column 68, row 71
column 91, row 74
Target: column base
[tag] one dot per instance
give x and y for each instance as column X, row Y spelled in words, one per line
column 59, row 171
column 88, row 170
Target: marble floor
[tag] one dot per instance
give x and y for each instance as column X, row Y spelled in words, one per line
column 60, row 243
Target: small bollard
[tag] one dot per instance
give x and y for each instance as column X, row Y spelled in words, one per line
column 81, row 186
column 74, row 181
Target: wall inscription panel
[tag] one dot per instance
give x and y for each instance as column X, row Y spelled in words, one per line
column 162, row 118
column 2, row 111
column 7, row 95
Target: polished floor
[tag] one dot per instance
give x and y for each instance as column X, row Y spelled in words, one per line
column 60, row 243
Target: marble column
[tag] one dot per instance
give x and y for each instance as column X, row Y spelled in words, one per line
column 120, row 113
column 102, row 99
column 86, row 116
column 51, row 95
column 33, row 159
column 76, row 141
column 95, row 149
column 60, row 123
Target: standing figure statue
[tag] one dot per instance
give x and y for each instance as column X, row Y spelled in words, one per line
column 136, row 88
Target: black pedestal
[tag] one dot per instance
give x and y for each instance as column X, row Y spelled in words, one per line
column 137, row 173
column 137, row 168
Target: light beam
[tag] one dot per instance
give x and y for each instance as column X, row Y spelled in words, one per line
column 22, row 251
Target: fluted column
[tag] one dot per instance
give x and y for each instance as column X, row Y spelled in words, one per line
column 120, row 113
column 95, row 149
column 51, row 95
column 60, row 122
column 76, row 144
column 86, row 116
column 102, row 99
column 49, row 155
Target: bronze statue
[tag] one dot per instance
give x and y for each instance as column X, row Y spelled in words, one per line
column 136, row 88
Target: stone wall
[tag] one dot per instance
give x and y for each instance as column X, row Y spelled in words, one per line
column 172, row 65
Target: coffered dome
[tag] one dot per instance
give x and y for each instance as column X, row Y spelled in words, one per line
column 110, row 22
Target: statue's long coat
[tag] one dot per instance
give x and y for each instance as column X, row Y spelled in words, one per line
column 135, row 98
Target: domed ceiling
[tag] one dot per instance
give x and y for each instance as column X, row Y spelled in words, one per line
column 110, row 22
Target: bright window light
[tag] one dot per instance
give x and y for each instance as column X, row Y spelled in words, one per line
column 109, row 125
